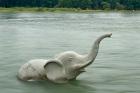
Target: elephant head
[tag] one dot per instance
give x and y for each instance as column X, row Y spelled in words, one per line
column 68, row 65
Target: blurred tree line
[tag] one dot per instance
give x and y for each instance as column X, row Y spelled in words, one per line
column 82, row 4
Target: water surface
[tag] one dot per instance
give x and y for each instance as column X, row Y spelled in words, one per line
column 26, row 36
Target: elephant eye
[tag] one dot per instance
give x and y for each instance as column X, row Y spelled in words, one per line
column 70, row 59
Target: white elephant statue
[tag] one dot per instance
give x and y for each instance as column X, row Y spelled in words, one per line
column 61, row 69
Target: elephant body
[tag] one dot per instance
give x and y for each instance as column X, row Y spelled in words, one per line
column 64, row 67
column 33, row 70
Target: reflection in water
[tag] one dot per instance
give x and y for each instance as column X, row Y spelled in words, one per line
column 25, row 36
column 8, row 16
column 74, row 86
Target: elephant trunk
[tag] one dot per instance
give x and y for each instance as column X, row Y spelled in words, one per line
column 89, row 58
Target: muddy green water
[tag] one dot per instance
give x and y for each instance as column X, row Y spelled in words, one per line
column 26, row 36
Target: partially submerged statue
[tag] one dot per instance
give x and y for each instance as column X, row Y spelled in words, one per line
column 63, row 68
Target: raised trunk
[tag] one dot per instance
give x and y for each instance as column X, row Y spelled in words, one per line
column 90, row 57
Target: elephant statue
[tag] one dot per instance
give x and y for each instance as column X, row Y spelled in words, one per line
column 61, row 69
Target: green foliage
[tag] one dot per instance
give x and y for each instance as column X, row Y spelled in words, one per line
column 96, row 4
column 105, row 5
column 119, row 6
column 81, row 4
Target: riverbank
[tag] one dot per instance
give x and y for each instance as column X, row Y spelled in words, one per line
column 38, row 9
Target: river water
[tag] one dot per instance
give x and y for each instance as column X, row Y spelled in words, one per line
column 26, row 36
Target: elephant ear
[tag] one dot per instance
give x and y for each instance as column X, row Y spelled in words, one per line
column 55, row 71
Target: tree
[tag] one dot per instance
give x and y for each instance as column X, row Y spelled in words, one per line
column 96, row 4
column 119, row 6
column 113, row 4
column 105, row 5
column 83, row 4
